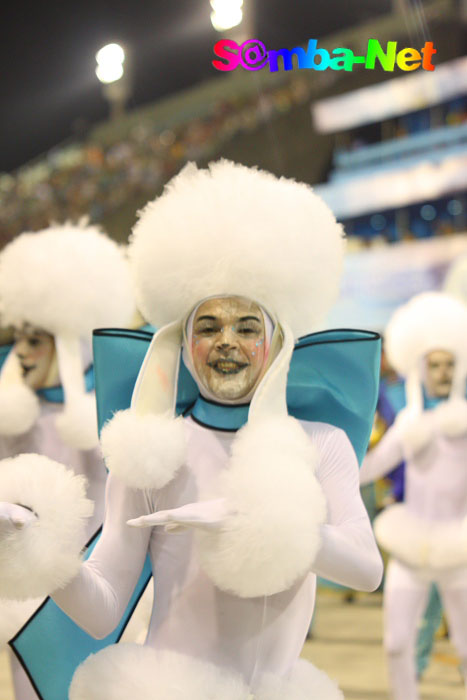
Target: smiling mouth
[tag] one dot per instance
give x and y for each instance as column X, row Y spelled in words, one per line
column 227, row 366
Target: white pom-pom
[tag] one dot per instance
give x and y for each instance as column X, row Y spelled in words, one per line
column 44, row 555
column 19, row 409
column 13, row 615
column 274, row 537
column 77, row 424
column 421, row 543
column 125, row 671
column 415, row 430
column 451, row 417
column 145, row 452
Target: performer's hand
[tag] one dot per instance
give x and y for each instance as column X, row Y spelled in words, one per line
column 14, row 517
column 205, row 515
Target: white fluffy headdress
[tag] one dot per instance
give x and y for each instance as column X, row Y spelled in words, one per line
column 230, row 230
column 241, row 231
column 65, row 280
column 429, row 321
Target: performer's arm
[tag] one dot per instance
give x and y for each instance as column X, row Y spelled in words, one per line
column 97, row 597
column 348, row 554
column 383, row 458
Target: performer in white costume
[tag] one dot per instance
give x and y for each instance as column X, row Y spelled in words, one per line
column 231, row 264
column 56, row 285
column 426, row 342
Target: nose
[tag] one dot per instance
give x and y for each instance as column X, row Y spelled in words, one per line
column 226, row 339
column 21, row 349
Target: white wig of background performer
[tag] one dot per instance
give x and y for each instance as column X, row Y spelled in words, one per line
column 264, row 510
column 427, row 534
column 56, row 285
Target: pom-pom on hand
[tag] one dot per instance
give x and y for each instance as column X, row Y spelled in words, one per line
column 205, row 515
column 14, row 517
column 415, row 430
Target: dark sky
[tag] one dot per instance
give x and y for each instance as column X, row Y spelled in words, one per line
column 47, row 79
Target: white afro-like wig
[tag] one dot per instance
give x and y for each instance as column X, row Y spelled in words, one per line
column 430, row 321
column 65, row 279
column 274, row 536
column 46, row 554
column 229, row 229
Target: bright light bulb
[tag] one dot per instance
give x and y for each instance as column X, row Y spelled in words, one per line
column 226, row 17
column 110, row 63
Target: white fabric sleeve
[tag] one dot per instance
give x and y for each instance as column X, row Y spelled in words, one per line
column 348, row 554
column 97, row 597
column 383, row 458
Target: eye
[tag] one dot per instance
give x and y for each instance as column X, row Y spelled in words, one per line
column 248, row 330
column 34, row 342
column 207, row 330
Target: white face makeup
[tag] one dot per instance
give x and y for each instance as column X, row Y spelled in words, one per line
column 228, row 346
column 35, row 350
column 439, row 373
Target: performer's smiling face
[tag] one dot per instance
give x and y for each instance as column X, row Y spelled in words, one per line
column 439, row 373
column 228, row 347
column 35, row 350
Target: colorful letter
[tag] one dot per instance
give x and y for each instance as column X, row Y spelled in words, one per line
column 344, row 62
column 312, row 51
column 287, row 58
column 232, row 59
column 406, row 55
column 387, row 60
column 428, row 52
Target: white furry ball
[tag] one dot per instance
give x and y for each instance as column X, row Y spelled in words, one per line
column 45, row 555
column 274, row 537
column 125, row 671
column 144, row 451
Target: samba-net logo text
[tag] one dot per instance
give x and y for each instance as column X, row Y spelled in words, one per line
column 253, row 55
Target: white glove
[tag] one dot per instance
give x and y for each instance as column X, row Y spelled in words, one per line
column 14, row 517
column 205, row 515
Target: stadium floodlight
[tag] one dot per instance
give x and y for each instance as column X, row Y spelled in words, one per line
column 226, row 14
column 110, row 61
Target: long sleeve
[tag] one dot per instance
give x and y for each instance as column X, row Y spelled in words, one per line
column 97, row 597
column 348, row 553
column 383, row 458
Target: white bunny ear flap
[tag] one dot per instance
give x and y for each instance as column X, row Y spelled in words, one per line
column 19, row 405
column 146, row 445
column 77, row 423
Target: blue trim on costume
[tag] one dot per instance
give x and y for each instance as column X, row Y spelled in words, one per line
column 55, row 394
column 219, row 416
column 4, row 352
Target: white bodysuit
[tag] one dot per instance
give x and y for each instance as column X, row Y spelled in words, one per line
column 192, row 616
column 427, row 539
